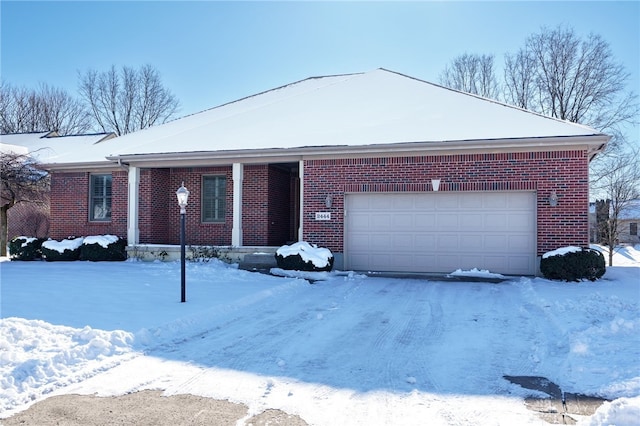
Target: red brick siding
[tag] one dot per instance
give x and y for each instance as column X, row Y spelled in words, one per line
column 156, row 196
column 265, row 206
column 70, row 206
column 255, row 205
column 566, row 172
column 198, row 232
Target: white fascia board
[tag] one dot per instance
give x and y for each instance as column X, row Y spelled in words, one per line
column 592, row 143
column 82, row 166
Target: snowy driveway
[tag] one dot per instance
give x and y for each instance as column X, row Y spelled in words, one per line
column 373, row 334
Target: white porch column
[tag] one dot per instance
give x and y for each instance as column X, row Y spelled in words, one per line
column 236, row 230
column 301, row 215
column 133, row 232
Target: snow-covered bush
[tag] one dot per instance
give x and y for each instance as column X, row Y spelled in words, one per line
column 68, row 249
column 103, row 248
column 573, row 264
column 25, row 248
column 303, row 256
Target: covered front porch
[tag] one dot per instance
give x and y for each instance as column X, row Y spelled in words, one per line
column 251, row 205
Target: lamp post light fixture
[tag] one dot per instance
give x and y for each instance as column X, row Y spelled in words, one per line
column 183, row 195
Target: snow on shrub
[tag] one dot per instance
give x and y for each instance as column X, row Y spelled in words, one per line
column 68, row 249
column 303, row 256
column 573, row 264
column 25, row 248
column 103, row 248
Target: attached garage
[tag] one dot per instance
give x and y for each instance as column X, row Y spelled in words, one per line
column 441, row 231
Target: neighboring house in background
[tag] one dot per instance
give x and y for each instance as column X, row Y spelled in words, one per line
column 628, row 223
column 32, row 219
column 389, row 172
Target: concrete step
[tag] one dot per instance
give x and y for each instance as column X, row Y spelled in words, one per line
column 258, row 262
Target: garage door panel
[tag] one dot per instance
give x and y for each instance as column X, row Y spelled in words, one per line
column 521, row 201
column 495, row 220
column 495, row 243
column 424, row 221
column 472, row 242
column 441, row 232
column 447, row 242
column 495, row 200
column 469, row 221
column 402, row 241
column 424, row 242
column 402, row 221
column 358, row 221
column 521, row 220
column 403, row 203
column 447, row 221
column 519, row 243
column 446, row 202
column 424, row 204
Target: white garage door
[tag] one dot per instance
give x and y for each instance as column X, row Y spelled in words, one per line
column 441, row 232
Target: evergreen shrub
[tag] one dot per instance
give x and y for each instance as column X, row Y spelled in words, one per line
column 25, row 248
column 51, row 250
column 94, row 251
column 294, row 262
column 291, row 257
column 574, row 266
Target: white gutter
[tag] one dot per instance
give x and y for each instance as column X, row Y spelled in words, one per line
column 594, row 144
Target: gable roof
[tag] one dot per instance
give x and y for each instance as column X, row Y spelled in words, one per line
column 376, row 111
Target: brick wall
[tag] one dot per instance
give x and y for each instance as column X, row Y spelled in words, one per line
column 154, row 203
column 197, row 232
column 70, row 206
column 255, row 205
column 565, row 172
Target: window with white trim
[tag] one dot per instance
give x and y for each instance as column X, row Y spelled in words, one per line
column 214, row 191
column 633, row 228
column 100, row 198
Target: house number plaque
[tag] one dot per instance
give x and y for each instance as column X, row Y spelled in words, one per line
column 323, row 215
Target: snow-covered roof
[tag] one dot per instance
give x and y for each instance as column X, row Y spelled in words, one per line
column 631, row 212
column 48, row 147
column 380, row 109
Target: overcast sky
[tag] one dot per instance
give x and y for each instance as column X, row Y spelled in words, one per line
column 212, row 52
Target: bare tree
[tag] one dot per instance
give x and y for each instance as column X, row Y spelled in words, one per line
column 561, row 75
column 127, row 100
column 472, row 74
column 22, row 181
column 43, row 109
column 619, row 185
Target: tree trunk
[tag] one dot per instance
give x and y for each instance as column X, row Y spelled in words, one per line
column 610, row 256
column 4, row 230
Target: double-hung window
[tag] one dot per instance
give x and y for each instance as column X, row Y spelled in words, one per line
column 214, row 190
column 633, row 228
column 100, row 198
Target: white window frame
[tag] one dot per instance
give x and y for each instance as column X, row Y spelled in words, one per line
column 100, row 205
column 219, row 200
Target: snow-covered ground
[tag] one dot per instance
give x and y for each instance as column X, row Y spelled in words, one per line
column 348, row 349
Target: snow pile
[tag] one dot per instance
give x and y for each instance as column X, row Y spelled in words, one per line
column 61, row 246
column 103, row 240
column 309, row 253
column 37, row 357
column 562, row 251
column 621, row 412
column 27, row 240
column 476, row 273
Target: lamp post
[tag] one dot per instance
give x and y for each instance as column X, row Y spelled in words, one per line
column 183, row 195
